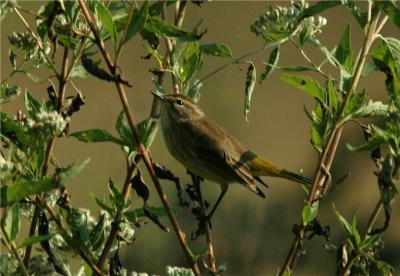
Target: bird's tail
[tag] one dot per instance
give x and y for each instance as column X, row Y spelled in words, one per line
column 261, row 167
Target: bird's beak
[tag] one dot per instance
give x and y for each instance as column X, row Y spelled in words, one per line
column 158, row 95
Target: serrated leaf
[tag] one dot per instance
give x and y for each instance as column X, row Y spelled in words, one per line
column 34, row 239
column 78, row 71
column 96, row 135
column 13, row 221
column 216, row 49
column 138, row 21
column 107, row 21
column 309, row 212
column 307, row 85
column 164, row 29
column 251, row 77
column 270, row 65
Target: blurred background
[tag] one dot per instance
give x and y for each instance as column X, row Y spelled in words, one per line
column 251, row 235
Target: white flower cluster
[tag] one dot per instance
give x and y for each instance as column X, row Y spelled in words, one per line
column 178, row 271
column 5, row 166
column 286, row 20
column 51, row 122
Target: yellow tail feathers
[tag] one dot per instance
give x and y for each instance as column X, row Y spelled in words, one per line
column 261, row 167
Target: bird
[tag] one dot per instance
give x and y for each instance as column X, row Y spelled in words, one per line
column 211, row 152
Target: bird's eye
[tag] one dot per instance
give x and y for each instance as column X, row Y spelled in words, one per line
column 179, row 101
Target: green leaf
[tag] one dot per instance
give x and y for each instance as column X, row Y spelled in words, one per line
column 78, row 71
column 107, row 21
column 307, row 85
column 124, row 132
column 343, row 222
column 309, row 212
column 318, row 8
column 354, row 231
column 370, row 242
column 384, row 268
column 26, row 187
column 13, row 59
column 377, row 138
column 107, row 207
column 194, row 91
column 71, row 171
column 32, row 104
column 272, row 62
column 138, row 21
column 251, row 77
column 368, row 69
column 96, row 135
column 361, row 17
column 34, row 239
column 391, row 10
column 68, row 41
column 97, row 234
column 188, row 61
column 334, row 97
column 7, row 93
column 164, row 29
column 216, row 49
column 13, row 131
column 390, row 65
column 343, row 51
column 147, row 131
column 13, row 221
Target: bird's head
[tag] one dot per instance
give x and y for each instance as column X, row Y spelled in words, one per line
column 179, row 107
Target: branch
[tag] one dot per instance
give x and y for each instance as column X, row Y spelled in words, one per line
column 210, row 251
column 141, row 149
column 62, row 79
column 329, row 150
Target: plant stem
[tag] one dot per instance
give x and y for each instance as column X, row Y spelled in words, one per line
column 169, row 46
column 12, row 248
column 141, row 149
column 49, row 149
column 329, row 150
column 210, row 252
column 38, row 42
column 88, row 260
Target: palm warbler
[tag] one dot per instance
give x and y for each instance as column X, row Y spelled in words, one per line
column 208, row 150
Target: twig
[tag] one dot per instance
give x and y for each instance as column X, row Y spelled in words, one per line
column 49, row 149
column 316, row 68
column 169, row 46
column 60, row 226
column 329, row 150
column 38, row 42
column 12, row 248
column 141, row 149
column 210, row 251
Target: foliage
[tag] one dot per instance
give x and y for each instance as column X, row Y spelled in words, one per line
column 34, row 185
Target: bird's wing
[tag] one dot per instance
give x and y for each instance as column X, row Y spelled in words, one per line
column 231, row 154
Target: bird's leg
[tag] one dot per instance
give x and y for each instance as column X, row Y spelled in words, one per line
column 224, row 188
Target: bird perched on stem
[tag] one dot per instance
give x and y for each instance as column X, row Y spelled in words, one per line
column 208, row 150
